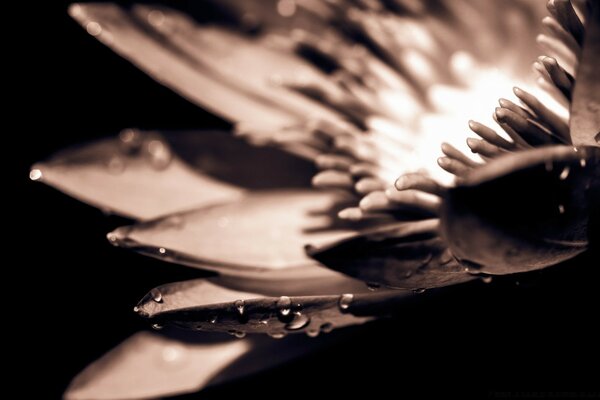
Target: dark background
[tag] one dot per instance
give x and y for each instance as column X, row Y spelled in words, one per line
column 78, row 291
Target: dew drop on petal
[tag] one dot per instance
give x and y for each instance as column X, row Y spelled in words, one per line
column 35, row 174
column 277, row 335
column 486, row 279
column 313, row 332
column 326, row 327
column 136, row 309
column 93, row 28
column 284, row 306
column 156, row 295
column 345, row 301
column 422, row 290
column 240, row 306
column 157, row 327
column 156, row 18
column 159, row 153
column 173, row 354
column 564, row 173
column 130, row 141
column 299, row 321
column 162, row 251
column 212, row 319
column 582, row 162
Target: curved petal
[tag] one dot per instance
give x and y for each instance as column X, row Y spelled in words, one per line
column 408, row 256
column 144, row 174
column 151, row 365
column 585, row 108
column 205, row 306
column 264, row 232
column 524, row 211
column 202, row 62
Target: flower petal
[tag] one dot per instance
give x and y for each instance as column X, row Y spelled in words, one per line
column 204, row 305
column 264, row 232
column 523, row 211
column 202, row 62
column 409, row 255
column 143, row 175
column 150, row 365
column 585, row 108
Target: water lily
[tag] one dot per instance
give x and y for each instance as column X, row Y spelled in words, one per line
column 355, row 98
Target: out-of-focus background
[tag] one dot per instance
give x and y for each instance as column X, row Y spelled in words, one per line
column 531, row 333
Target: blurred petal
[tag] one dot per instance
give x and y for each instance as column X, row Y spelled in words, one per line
column 264, row 232
column 204, row 63
column 149, row 365
column 408, row 255
column 585, row 109
column 523, row 211
column 142, row 175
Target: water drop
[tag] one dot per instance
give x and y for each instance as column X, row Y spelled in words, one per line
column 93, row 28
column 408, row 274
column 112, row 238
column 372, row 286
column 136, row 309
column 582, row 162
column 35, row 174
column 299, row 321
column 156, row 295
column 564, row 173
column 159, row 153
column 264, row 320
column 172, row 354
column 130, row 141
column 162, row 251
column 326, row 327
column 156, row 18
column 284, row 306
column 345, row 301
column 313, row 332
column 157, row 327
column 561, row 209
column 116, row 165
column 238, row 334
column 212, row 319
column 419, row 290
column 240, row 306
column 277, row 335
column 486, row 279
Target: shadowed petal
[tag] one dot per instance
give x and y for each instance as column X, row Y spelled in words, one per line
column 144, row 174
column 409, row 256
column 150, row 365
column 524, row 211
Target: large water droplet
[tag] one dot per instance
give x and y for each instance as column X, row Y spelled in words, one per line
column 130, row 141
column 240, row 306
column 284, row 306
column 157, row 326
column 159, row 153
column 298, row 321
column 156, row 295
column 326, row 327
column 277, row 335
column 156, row 18
column 345, row 301
column 93, row 28
column 564, row 173
column 173, row 354
column 162, row 251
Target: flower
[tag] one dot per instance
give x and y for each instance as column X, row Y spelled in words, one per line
column 365, row 104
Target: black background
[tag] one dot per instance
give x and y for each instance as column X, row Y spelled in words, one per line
column 480, row 339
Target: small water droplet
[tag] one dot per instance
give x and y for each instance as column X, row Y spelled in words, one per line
column 419, row 290
column 372, row 286
column 486, row 279
column 299, row 321
column 240, row 306
column 35, row 174
column 564, row 173
column 156, row 18
column 345, row 301
column 116, row 165
column 156, row 295
column 561, row 209
column 313, row 332
column 277, row 335
column 326, row 327
column 130, row 141
column 162, row 251
column 93, row 28
column 159, row 153
column 284, row 306
column 212, row 319
column 582, row 162
column 136, row 309
column 264, row 320
column 157, row 327
column 238, row 334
